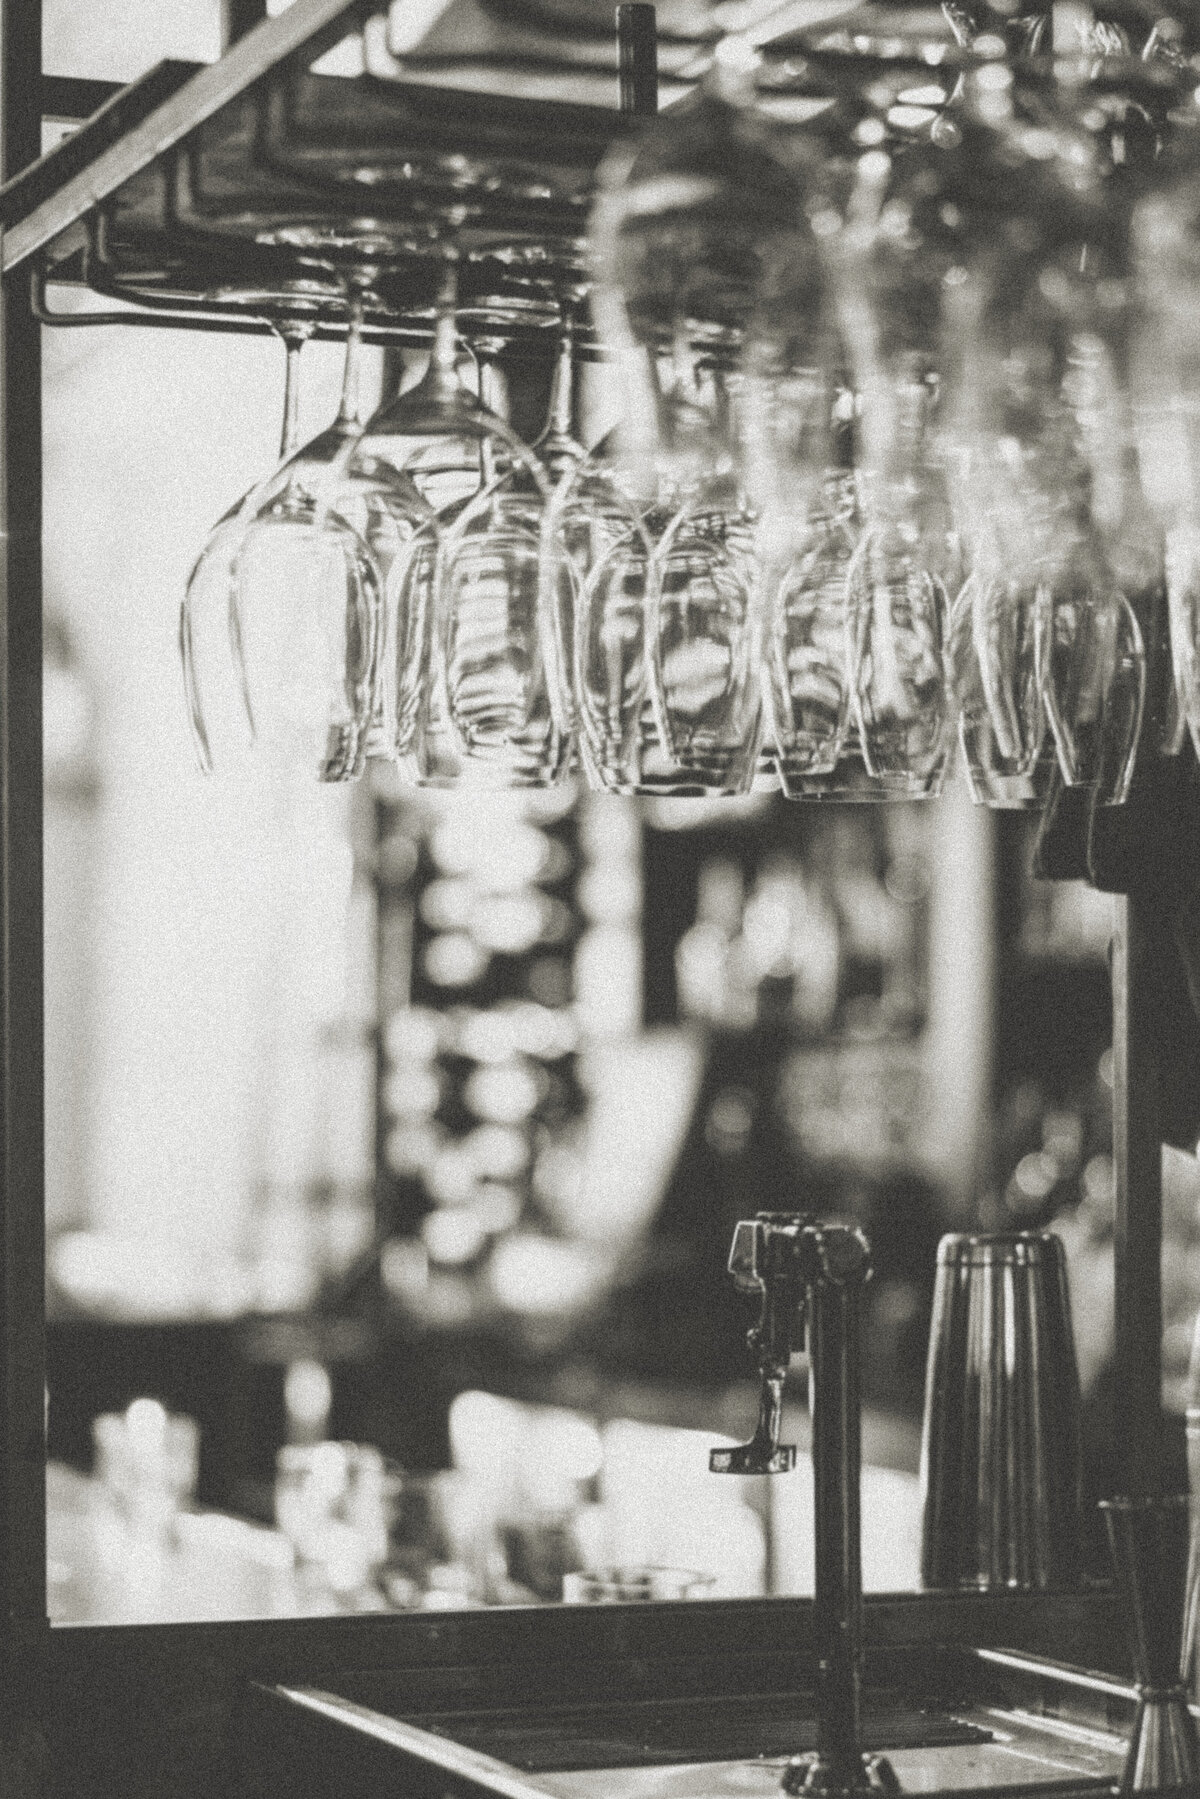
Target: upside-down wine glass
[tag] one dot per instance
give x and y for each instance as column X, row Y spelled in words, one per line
column 321, row 567
column 1166, row 381
column 220, row 723
column 459, row 449
column 689, row 232
column 805, row 685
column 494, row 654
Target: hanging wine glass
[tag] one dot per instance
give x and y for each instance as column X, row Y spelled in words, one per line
column 805, row 686
column 216, row 703
column 595, row 556
column 995, row 676
column 494, row 652
column 322, row 559
column 1092, row 671
column 556, row 446
column 441, row 432
column 898, row 622
column 1166, row 380
column 705, row 642
column 698, row 230
column 692, row 227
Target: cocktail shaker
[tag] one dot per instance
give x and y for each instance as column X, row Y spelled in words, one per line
column 1001, row 1453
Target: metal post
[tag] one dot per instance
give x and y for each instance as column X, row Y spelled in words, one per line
column 1137, row 1248
column 238, row 17
column 22, row 1205
column 637, row 45
column 835, row 1412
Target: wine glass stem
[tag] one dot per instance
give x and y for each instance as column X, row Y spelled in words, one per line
column 491, row 392
column 290, row 434
column 352, row 368
column 442, row 367
column 559, row 419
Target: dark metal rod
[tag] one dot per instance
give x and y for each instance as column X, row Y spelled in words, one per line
column 305, row 28
column 238, row 17
column 637, row 46
column 72, row 98
column 834, row 1404
column 1137, row 1240
column 24, row 1630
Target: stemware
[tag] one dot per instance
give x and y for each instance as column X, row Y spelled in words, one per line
column 595, row 559
column 898, row 618
column 1166, row 378
column 805, row 686
column 220, row 723
column 1092, row 672
column 321, row 567
column 704, row 622
column 997, row 689
column 433, row 436
column 494, row 654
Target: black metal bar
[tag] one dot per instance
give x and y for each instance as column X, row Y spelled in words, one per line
column 525, row 342
column 637, row 48
column 70, row 99
column 238, row 17
column 1137, row 1241
column 305, row 29
column 22, row 1202
column 835, row 1407
column 119, row 112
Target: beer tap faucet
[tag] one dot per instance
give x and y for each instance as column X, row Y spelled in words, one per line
column 809, row 1277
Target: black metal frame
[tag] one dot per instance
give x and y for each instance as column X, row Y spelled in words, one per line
column 22, row 1208
column 152, row 1705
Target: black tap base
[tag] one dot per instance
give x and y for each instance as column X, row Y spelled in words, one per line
column 828, row 1777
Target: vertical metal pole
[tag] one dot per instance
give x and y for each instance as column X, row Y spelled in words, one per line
column 22, row 1202
column 1137, row 1248
column 238, row 17
column 637, row 45
column 835, row 1412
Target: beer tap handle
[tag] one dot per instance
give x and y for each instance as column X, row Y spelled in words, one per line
column 763, row 1260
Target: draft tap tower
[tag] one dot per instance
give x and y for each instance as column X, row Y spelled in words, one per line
column 809, row 1276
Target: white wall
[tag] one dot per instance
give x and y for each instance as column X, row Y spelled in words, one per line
column 215, row 933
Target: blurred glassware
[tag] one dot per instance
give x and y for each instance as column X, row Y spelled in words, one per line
column 1092, row 668
column 596, row 555
column 806, row 689
column 146, row 1461
column 331, row 1502
column 1166, row 383
column 496, row 654
column 705, row 642
column 997, row 693
column 699, row 226
column 897, row 617
column 634, row 1586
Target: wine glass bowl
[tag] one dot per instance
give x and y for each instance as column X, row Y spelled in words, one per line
column 805, row 685
column 897, row 621
column 493, row 672
column 997, row 694
column 305, row 603
column 705, row 644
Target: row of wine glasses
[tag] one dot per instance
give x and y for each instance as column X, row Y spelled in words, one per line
column 423, row 589
column 879, row 485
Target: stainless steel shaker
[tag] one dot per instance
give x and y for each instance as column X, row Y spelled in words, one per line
column 1001, row 1452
